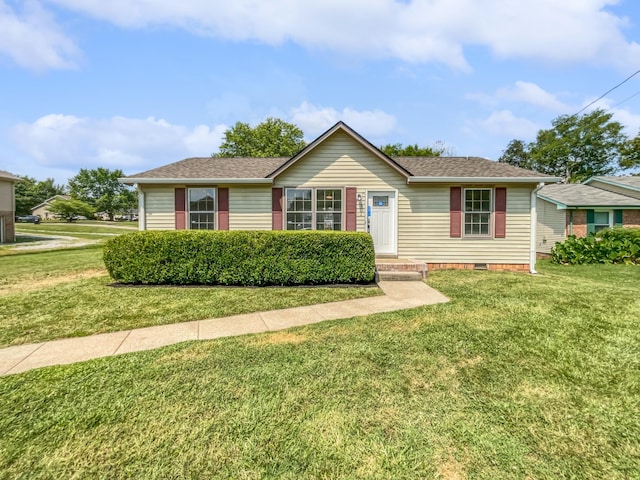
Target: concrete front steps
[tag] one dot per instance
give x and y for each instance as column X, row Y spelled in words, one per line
column 400, row 269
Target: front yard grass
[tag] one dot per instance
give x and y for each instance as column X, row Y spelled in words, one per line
column 58, row 294
column 532, row 377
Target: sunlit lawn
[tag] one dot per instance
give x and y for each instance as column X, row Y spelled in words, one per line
column 518, row 376
column 58, row 294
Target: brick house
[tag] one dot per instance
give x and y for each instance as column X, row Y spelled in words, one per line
column 582, row 208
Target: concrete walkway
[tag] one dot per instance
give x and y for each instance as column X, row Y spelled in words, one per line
column 397, row 296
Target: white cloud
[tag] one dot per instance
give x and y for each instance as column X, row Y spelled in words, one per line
column 532, row 94
column 580, row 31
column 131, row 144
column 32, row 39
column 505, row 123
column 314, row 120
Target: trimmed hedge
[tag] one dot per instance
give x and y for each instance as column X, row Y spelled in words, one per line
column 617, row 245
column 248, row 258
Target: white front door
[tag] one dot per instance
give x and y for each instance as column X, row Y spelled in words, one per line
column 381, row 218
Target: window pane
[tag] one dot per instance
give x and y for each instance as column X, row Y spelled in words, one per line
column 202, row 208
column 601, row 218
column 328, row 221
column 381, row 201
column 299, row 221
column 477, row 207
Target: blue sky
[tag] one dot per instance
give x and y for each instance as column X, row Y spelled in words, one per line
column 135, row 84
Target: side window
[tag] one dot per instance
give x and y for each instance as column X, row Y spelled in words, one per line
column 477, row 212
column 202, row 213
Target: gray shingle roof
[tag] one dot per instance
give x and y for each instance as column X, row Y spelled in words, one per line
column 7, row 175
column 633, row 182
column 462, row 167
column 580, row 195
column 214, row 167
column 233, row 168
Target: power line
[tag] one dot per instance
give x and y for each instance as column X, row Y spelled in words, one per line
column 624, row 101
column 607, row 92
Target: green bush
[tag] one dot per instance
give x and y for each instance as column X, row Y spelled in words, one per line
column 246, row 258
column 617, row 245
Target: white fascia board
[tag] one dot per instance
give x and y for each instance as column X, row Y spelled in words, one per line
column 560, row 205
column 483, row 179
column 195, row 181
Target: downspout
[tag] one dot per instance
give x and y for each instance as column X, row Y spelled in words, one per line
column 142, row 216
column 532, row 230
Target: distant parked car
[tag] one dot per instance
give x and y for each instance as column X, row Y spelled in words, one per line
column 28, row 219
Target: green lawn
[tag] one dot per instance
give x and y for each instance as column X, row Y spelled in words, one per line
column 57, row 294
column 517, row 377
column 81, row 229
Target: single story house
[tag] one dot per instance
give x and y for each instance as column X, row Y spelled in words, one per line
column 582, row 208
column 456, row 212
column 7, row 206
column 42, row 210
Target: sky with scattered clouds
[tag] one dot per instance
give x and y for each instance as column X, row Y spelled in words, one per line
column 135, row 84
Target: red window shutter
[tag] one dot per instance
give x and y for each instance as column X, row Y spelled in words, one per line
column 180, row 207
column 223, row 209
column 351, row 221
column 500, row 221
column 276, row 208
column 455, row 212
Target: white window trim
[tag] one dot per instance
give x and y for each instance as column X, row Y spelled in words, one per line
column 189, row 211
column 314, row 203
column 490, row 233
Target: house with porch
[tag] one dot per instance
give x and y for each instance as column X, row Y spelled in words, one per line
column 445, row 212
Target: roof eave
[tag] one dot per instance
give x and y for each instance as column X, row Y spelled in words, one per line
column 483, row 179
column 611, row 182
column 194, row 181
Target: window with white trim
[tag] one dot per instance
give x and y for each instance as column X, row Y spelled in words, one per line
column 202, row 208
column 602, row 220
column 313, row 208
column 477, row 211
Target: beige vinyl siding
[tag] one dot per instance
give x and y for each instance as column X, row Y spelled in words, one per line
column 249, row 208
column 160, row 208
column 423, row 210
column 551, row 226
column 615, row 189
column 6, row 195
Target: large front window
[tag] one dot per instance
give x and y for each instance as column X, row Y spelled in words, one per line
column 477, row 211
column 314, row 209
column 202, row 208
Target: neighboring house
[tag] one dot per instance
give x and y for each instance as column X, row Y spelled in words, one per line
column 455, row 212
column 582, row 208
column 42, row 210
column 7, row 206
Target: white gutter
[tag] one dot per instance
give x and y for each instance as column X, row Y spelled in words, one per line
column 195, row 181
column 142, row 215
column 483, row 179
column 532, row 230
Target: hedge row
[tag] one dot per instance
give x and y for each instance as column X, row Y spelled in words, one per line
column 617, row 245
column 240, row 258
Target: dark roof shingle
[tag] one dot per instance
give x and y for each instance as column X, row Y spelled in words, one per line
column 580, row 195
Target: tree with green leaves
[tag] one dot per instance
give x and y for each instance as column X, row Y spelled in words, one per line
column 271, row 138
column 631, row 153
column 100, row 188
column 575, row 148
column 71, row 209
column 30, row 192
column 398, row 150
